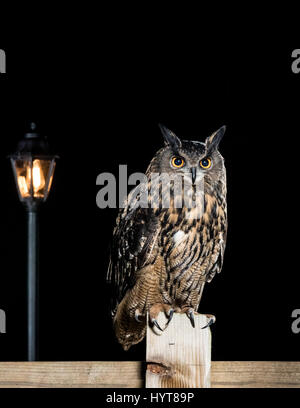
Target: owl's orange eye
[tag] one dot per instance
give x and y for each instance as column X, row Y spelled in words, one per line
column 205, row 163
column 177, row 162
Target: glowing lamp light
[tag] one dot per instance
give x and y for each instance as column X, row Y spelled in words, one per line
column 38, row 180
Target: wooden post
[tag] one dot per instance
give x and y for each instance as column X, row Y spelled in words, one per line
column 180, row 356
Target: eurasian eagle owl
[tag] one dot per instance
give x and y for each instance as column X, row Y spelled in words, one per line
column 162, row 255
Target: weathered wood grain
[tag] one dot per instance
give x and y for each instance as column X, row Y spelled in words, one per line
column 130, row 374
column 104, row 374
column 180, row 356
column 255, row 374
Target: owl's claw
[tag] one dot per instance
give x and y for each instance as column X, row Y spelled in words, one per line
column 155, row 322
column 170, row 315
column 154, row 313
column 190, row 315
column 211, row 321
column 137, row 315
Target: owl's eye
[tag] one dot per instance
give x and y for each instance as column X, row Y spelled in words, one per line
column 205, row 163
column 177, row 162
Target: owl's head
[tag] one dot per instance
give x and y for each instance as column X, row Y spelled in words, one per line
column 191, row 159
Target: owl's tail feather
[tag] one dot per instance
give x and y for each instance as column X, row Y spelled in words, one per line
column 128, row 329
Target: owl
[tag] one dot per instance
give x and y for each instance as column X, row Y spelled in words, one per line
column 162, row 255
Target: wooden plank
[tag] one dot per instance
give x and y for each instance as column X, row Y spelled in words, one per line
column 130, row 374
column 104, row 374
column 180, row 356
column 255, row 374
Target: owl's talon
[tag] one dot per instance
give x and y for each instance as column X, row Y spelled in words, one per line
column 137, row 315
column 170, row 315
column 190, row 315
column 212, row 320
column 155, row 322
column 158, row 308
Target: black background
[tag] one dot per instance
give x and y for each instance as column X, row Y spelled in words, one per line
column 99, row 104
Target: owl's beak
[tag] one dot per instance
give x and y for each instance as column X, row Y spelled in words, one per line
column 194, row 174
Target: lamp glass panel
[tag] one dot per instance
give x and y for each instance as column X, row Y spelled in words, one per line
column 34, row 177
column 49, row 167
column 22, row 169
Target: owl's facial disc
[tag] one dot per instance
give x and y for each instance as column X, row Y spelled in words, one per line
column 191, row 164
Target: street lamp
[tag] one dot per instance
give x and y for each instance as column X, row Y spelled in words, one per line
column 33, row 168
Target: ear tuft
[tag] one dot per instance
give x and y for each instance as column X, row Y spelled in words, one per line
column 170, row 138
column 213, row 141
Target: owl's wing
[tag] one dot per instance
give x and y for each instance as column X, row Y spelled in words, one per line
column 217, row 257
column 132, row 248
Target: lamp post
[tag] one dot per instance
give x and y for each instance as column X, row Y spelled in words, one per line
column 33, row 168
